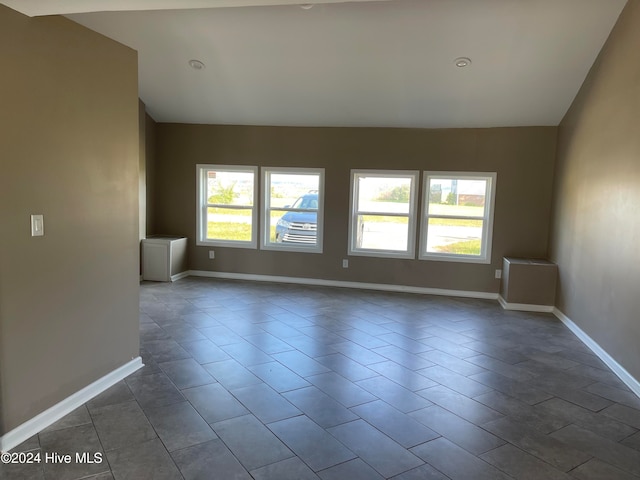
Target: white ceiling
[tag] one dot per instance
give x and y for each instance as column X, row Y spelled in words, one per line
column 366, row 63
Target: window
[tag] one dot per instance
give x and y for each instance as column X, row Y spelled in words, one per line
column 293, row 209
column 227, row 215
column 457, row 220
column 383, row 213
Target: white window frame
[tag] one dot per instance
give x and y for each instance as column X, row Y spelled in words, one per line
column 265, row 243
column 202, row 205
column 489, row 210
column 412, row 215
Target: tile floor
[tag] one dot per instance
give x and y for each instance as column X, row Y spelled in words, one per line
column 269, row 381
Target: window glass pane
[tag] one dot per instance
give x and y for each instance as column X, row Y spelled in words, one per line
column 379, row 232
column 455, row 236
column 229, row 188
column 457, row 197
column 228, row 224
column 294, row 228
column 288, row 189
column 383, row 194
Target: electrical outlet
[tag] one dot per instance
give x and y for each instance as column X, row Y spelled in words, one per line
column 212, row 254
column 345, row 263
column 498, row 273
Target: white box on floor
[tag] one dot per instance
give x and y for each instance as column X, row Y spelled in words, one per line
column 164, row 258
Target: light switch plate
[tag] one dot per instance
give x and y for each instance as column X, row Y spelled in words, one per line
column 37, row 225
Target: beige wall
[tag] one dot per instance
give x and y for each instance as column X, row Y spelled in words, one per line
column 523, row 158
column 150, row 161
column 69, row 150
column 596, row 226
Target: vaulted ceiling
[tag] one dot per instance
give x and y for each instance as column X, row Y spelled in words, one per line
column 359, row 63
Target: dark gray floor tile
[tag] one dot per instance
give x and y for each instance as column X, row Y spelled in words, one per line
column 179, row 426
column 143, row 461
column 278, row 377
column 405, row 343
column 461, row 432
column 231, row 374
column 446, row 346
column 520, row 390
column 205, row 351
column 497, row 352
column 402, row 375
column 165, row 350
column 72, row 441
column 80, row 416
column 606, row 450
column 118, row 393
column 289, row 469
column 361, row 338
column 199, row 320
column 221, row 335
column 399, row 426
column 268, row 343
column 521, row 465
column 253, row 444
column 624, row 414
column 520, row 412
column 209, row 461
column 21, row 471
column 311, row 443
column 632, row 441
column 574, row 395
column 122, row 425
column 311, row 347
column 598, row 423
column 404, row 358
column 31, row 443
column 394, row 394
column 183, row 332
column 562, row 455
column 424, row 472
column 359, row 354
column 346, row 367
column 461, row 405
column 300, row 363
column 596, row 469
column 455, row 462
column 514, row 372
column 386, row 456
column 597, row 374
column 320, row 407
column 546, row 375
column 341, row 389
column 154, row 390
column 354, row 469
column 186, row 373
column 281, row 330
column 455, row 381
column 214, row 403
column 246, row 354
column 265, row 403
column 619, row 395
column 452, row 363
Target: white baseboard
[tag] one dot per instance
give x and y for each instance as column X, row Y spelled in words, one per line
column 41, row 421
column 337, row 283
column 525, row 307
column 180, row 275
column 628, row 379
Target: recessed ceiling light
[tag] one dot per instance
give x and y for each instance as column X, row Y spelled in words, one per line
column 196, row 64
column 306, row 6
column 462, row 62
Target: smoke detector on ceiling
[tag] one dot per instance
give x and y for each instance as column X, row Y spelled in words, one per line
column 196, row 64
